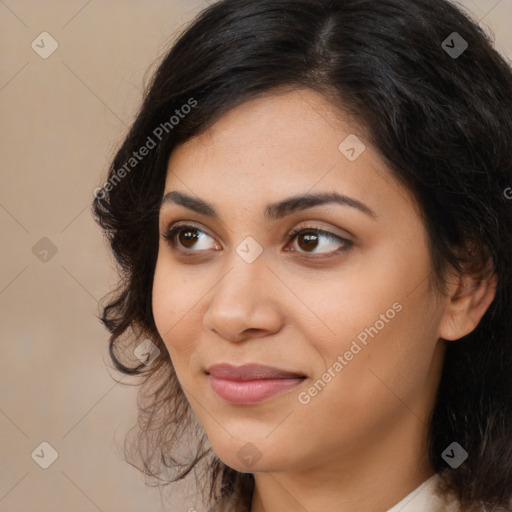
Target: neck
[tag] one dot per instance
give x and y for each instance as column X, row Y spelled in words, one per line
column 374, row 478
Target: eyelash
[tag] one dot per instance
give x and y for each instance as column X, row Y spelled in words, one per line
column 171, row 233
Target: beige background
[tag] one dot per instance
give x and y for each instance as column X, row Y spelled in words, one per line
column 61, row 120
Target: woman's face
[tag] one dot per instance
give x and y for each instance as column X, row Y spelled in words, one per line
column 349, row 314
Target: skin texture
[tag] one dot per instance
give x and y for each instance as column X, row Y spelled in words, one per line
column 360, row 443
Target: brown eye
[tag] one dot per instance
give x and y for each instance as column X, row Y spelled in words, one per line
column 309, row 239
column 188, row 239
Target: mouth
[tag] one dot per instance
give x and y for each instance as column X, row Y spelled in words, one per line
column 250, row 383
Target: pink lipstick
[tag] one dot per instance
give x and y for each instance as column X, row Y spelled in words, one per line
column 250, row 383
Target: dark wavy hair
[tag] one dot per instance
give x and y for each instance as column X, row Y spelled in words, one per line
column 442, row 121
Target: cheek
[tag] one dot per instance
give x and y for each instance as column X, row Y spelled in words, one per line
column 376, row 382
column 162, row 300
column 173, row 298
column 360, row 304
column 391, row 356
column 382, row 318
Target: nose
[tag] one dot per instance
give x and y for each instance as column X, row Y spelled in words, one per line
column 245, row 302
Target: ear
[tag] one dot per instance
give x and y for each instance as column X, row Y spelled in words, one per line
column 469, row 298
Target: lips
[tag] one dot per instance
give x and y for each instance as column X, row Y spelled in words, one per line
column 250, row 372
column 250, row 383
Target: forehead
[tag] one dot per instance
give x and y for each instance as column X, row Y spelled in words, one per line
column 280, row 145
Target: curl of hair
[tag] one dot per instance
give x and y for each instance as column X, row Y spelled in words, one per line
column 444, row 127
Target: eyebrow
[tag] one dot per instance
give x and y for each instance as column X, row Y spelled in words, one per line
column 273, row 211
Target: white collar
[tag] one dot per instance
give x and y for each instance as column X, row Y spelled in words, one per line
column 424, row 499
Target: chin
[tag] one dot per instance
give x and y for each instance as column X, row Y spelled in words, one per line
column 248, row 456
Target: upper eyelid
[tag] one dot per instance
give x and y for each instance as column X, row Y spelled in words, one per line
column 186, row 224
column 197, row 225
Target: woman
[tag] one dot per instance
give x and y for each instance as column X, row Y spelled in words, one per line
column 311, row 218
